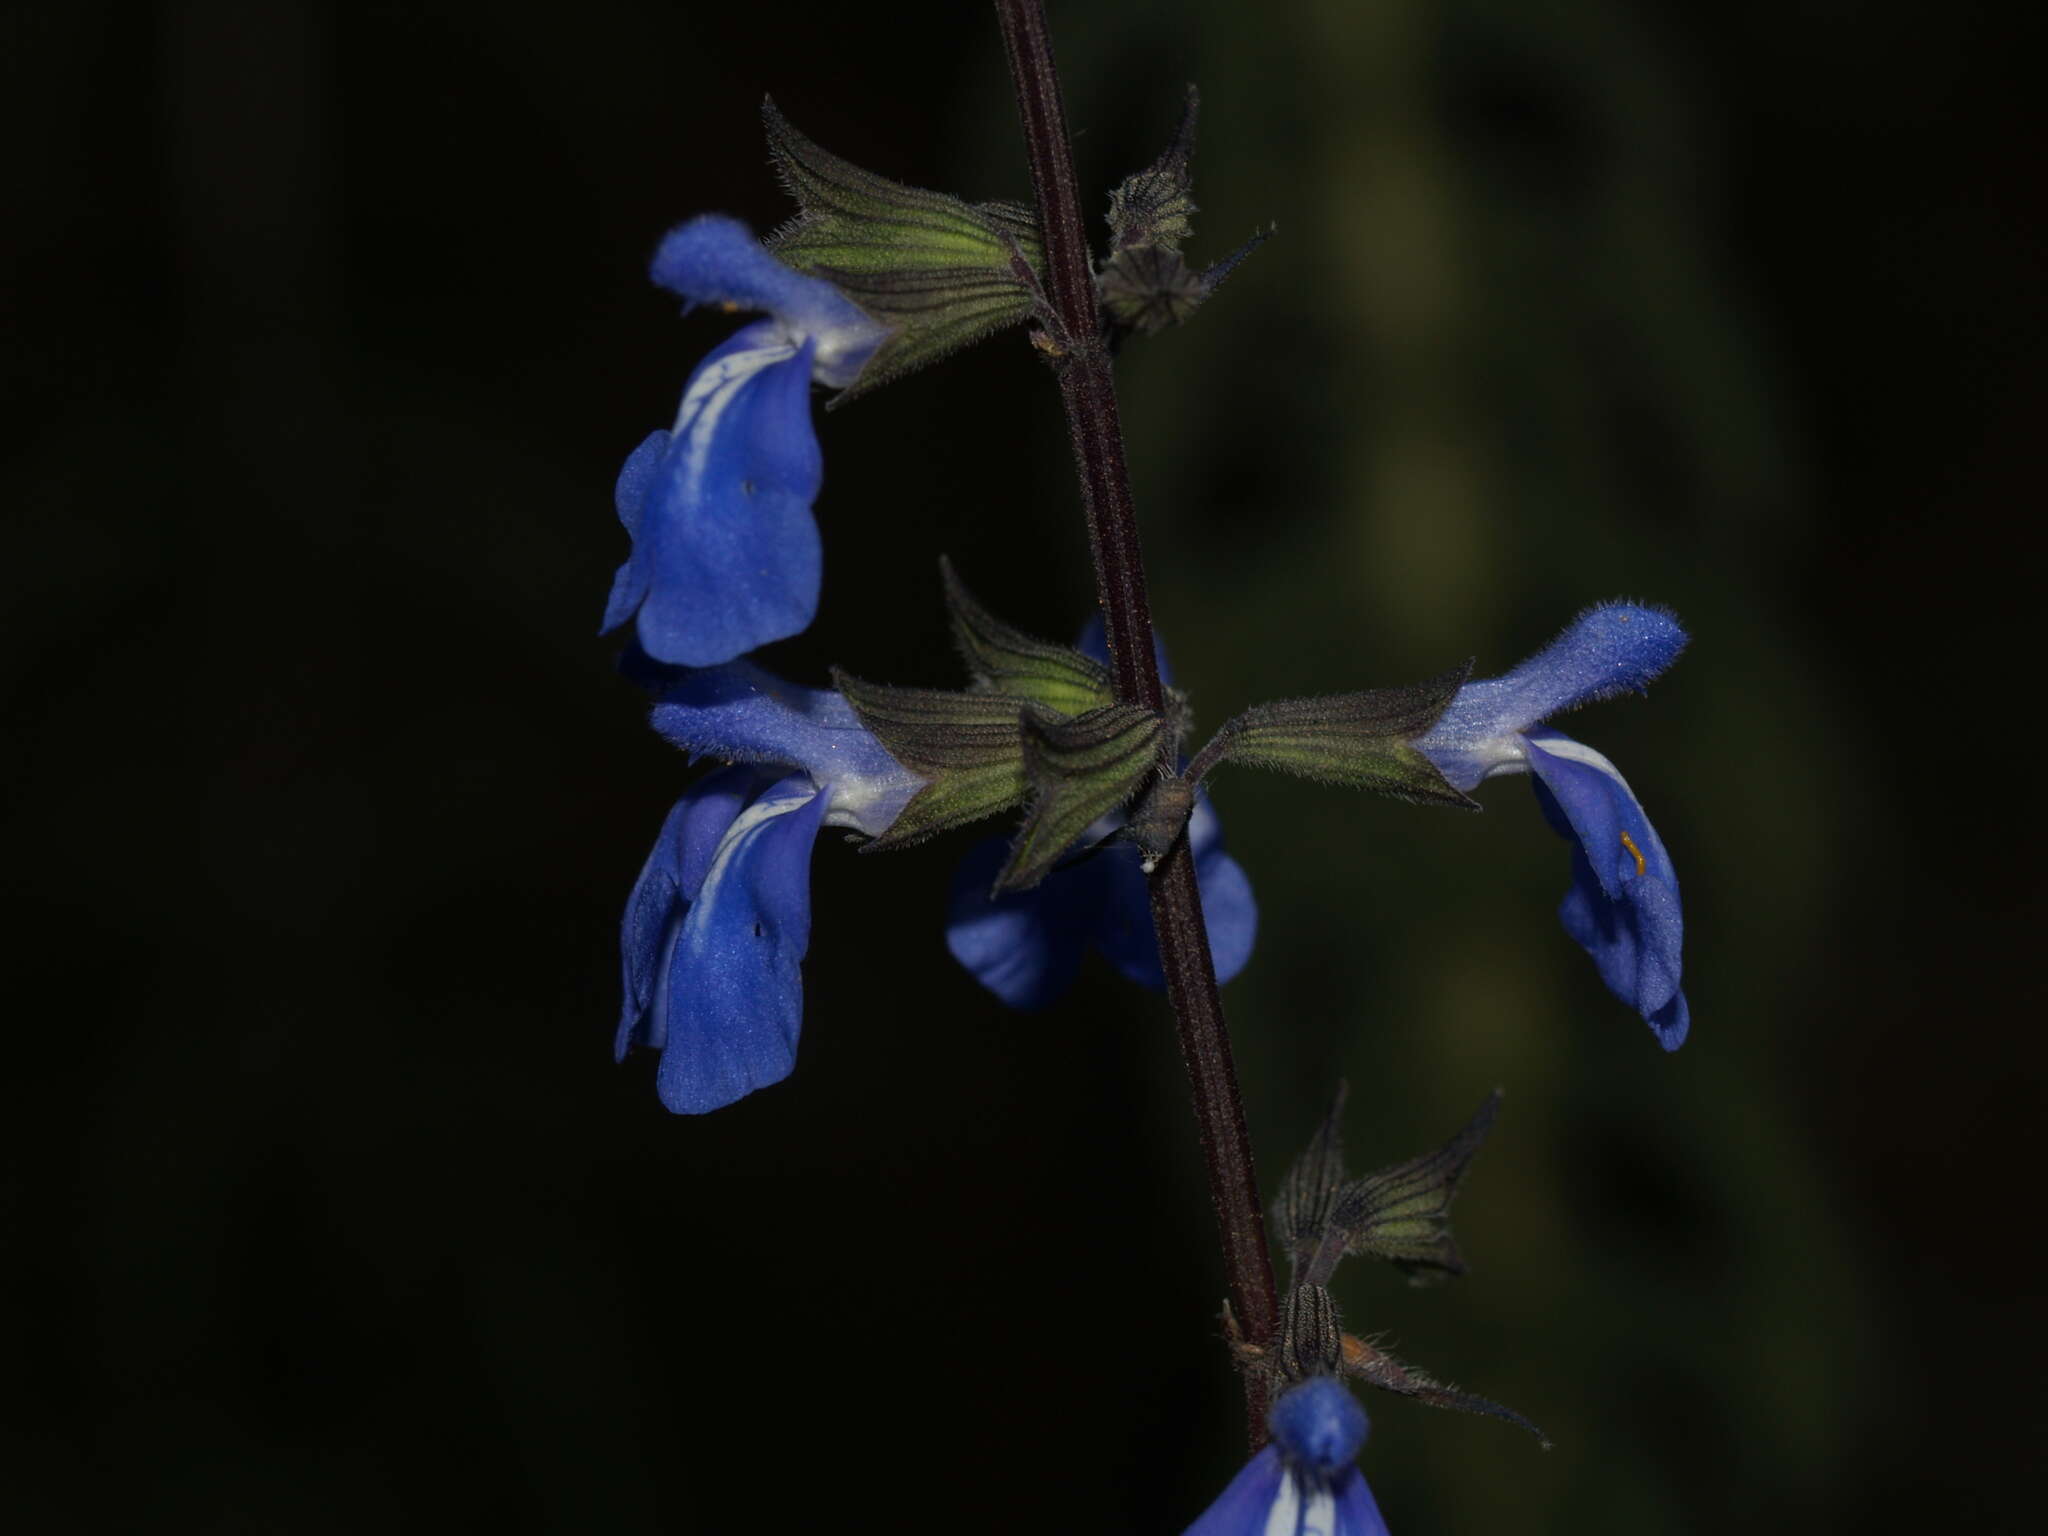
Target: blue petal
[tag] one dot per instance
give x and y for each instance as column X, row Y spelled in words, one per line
column 730, row 991
column 1123, row 928
column 671, row 877
column 645, row 933
column 1672, row 1022
column 1613, row 648
column 1357, row 1512
column 1629, row 920
column 636, row 477
column 1120, row 921
column 1612, row 932
column 741, row 710
column 744, row 713
column 1319, row 1424
column 716, row 260
column 1243, row 1507
column 715, row 803
column 629, row 586
column 1026, row 946
column 725, row 553
column 1268, row 1496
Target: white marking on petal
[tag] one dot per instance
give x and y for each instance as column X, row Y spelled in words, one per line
column 1320, row 1518
column 653, row 1027
column 1468, row 745
column 1500, row 755
column 870, row 802
column 1579, row 752
column 843, row 350
column 1284, row 1518
column 728, row 845
column 705, row 401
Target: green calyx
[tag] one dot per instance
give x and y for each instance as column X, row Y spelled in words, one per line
column 1354, row 740
column 1401, row 1214
column 941, row 273
column 1081, row 768
column 1311, row 1337
column 967, row 747
column 1008, row 661
column 1146, row 285
column 1148, row 288
column 1363, row 1360
column 1040, row 726
column 1308, row 1194
column 1156, row 206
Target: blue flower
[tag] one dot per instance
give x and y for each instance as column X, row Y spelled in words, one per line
column 1623, row 902
column 717, row 925
column 725, row 549
column 1305, row 1482
column 1026, row 947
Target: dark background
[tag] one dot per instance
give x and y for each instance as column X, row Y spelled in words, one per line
column 326, row 1210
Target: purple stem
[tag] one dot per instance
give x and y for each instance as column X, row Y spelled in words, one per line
column 1089, row 391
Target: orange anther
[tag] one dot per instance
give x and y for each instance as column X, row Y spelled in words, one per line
column 1630, row 844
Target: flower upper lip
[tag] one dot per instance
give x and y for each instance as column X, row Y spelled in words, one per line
column 1607, row 650
column 741, row 712
column 715, row 259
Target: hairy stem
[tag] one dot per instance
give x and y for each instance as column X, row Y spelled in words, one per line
column 1089, row 392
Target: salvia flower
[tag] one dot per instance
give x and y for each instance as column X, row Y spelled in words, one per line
column 1305, row 1481
column 1623, row 903
column 1026, row 946
column 716, row 928
column 726, row 554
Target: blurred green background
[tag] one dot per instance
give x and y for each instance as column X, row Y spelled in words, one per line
column 327, row 331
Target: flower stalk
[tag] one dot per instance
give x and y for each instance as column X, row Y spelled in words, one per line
column 1088, row 391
